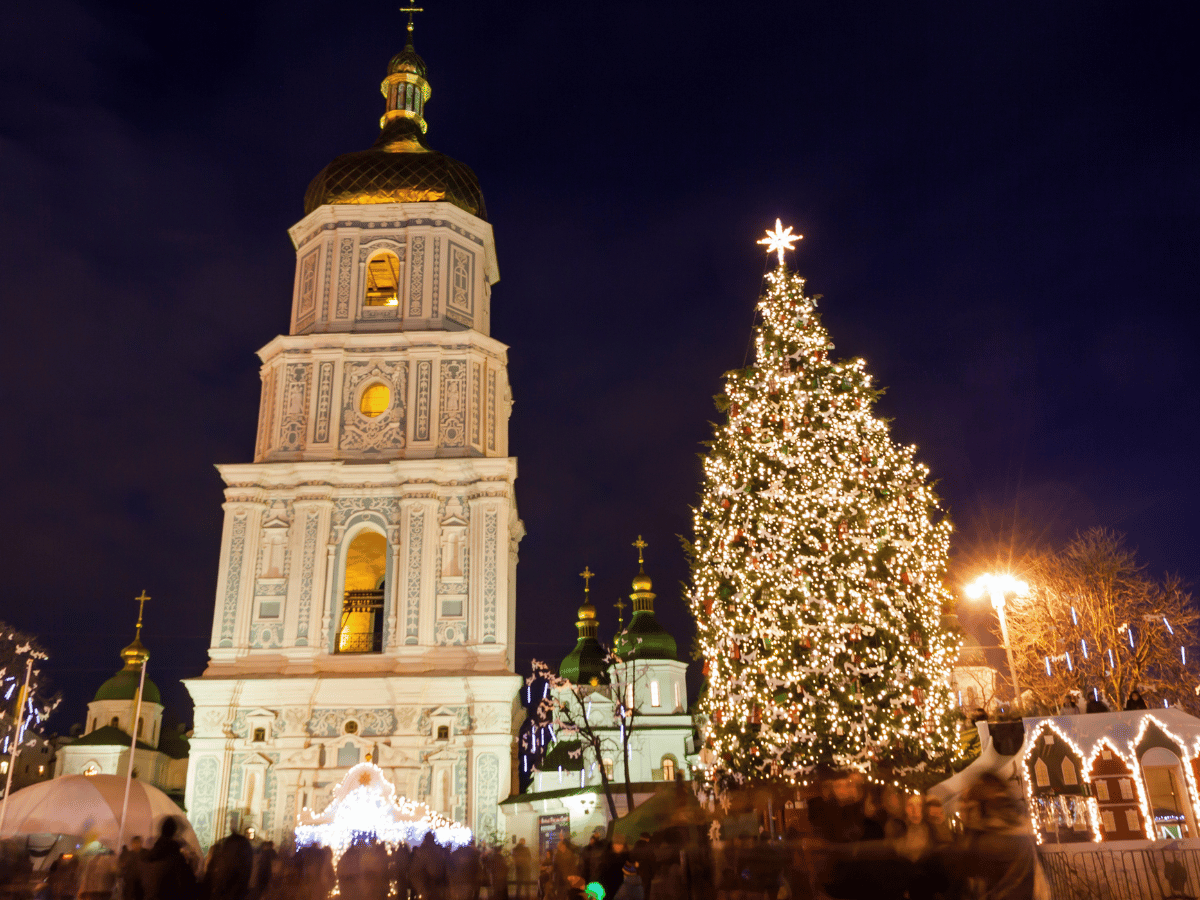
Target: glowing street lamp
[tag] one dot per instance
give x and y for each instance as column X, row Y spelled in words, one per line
column 998, row 587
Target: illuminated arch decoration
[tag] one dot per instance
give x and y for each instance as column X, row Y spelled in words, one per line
column 365, row 808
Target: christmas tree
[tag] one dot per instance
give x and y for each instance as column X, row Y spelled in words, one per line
column 818, row 559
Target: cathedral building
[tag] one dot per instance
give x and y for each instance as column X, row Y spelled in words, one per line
column 365, row 597
column 561, row 788
column 160, row 756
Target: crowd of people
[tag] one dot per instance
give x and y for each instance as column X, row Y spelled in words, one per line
column 865, row 842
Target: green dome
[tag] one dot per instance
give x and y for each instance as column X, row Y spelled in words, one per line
column 124, row 685
column 586, row 664
column 645, row 638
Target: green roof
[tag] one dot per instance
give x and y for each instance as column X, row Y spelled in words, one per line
column 108, row 736
column 586, row 664
column 124, row 685
column 645, row 638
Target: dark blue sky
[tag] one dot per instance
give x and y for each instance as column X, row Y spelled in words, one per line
column 999, row 202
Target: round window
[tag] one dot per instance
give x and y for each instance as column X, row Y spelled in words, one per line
column 351, row 727
column 375, row 400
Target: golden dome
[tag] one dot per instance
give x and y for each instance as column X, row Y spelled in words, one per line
column 642, row 583
column 400, row 167
column 135, row 654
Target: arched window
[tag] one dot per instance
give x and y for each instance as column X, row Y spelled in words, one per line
column 668, row 768
column 383, row 280
column 655, row 700
column 375, row 400
column 1041, row 773
column 139, row 726
column 116, row 721
column 92, row 768
column 360, row 629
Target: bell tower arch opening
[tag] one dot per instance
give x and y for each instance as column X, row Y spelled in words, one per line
column 360, row 626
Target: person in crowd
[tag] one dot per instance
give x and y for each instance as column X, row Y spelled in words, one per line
column 631, row 883
column 612, row 866
column 129, row 863
column 996, row 857
column 1094, row 703
column 63, row 880
column 522, row 860
column 463, row 873
column 935, row 818
column 1135, row 701
column 230, row 865
column 363, row 871
column 97, row 872
column 401, row 862
column 496, row 869
column 166, row 873
column 317, row 876
column 427, row 871
column 566, row 867
column 642, row 855
column 260, row 874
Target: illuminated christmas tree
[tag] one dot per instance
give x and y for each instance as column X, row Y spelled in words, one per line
column 818, row 560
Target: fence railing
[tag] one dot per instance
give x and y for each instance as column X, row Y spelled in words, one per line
column 1165, row 871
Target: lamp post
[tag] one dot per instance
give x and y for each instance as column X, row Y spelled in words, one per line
column 998, row 588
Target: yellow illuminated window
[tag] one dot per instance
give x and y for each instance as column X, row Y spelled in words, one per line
column 375, row 400
column 383, row 279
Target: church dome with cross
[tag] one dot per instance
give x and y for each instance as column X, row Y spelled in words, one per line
column 400, row 167
column 644, row 637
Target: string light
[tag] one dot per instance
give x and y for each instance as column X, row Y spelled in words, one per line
column 819, row 550
column 365, row 808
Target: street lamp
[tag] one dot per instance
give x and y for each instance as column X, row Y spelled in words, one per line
column 998, row 587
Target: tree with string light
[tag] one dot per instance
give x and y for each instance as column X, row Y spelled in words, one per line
column 817, row 563
column 1094, row 622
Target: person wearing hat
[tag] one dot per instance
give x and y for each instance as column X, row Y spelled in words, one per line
column 631, row 887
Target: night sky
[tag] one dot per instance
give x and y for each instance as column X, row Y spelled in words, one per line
column 999, row 202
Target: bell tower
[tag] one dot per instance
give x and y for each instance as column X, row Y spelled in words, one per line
column 365, row 604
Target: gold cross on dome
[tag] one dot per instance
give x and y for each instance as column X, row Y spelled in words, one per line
column 141, row 606
column 587, row 575
column 620, row 605
column 641, row 545
column 410, row 9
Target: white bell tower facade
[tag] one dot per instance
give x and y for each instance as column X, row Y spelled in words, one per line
column 365, row 603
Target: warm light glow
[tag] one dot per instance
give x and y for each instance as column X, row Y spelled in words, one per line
column 375, row 400
column 780, row 239
column 820, row 551
column 365, row 808
column 997, row 587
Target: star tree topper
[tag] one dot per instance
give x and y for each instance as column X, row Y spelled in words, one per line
column 780, row 239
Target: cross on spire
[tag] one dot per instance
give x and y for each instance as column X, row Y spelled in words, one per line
column 141, row 606
column 620, row 605
column 587, row 575
column 641, row 545
column 410, row 9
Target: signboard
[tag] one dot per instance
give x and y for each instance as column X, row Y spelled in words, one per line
column 551, row 830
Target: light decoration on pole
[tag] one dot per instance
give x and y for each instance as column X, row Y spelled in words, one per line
column 365, row 808
column 999, row 588
column 818, row 563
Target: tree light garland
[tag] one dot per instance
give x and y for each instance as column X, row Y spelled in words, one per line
column 818, row 561
column 365, row 808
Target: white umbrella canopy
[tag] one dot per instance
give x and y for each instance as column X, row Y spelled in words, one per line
column 79, row 805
